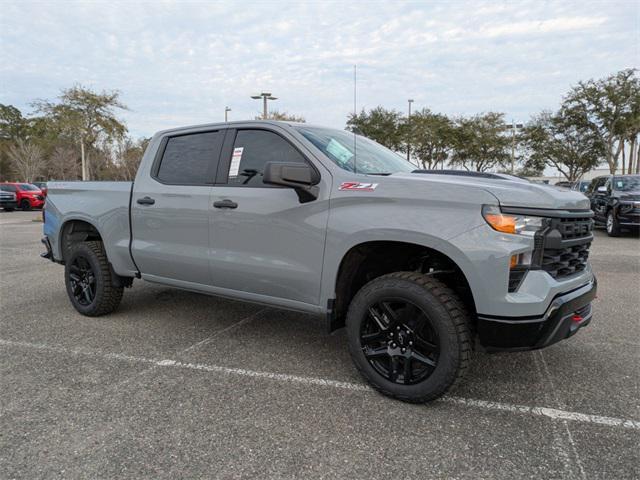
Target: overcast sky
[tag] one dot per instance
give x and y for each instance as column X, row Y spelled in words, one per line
column 181, row 63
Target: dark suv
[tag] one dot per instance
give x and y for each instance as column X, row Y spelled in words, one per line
column 615, row 200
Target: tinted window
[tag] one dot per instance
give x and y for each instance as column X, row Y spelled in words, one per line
column 8, row 188
column 190, row 159
column 252, row 150
column 28, row 187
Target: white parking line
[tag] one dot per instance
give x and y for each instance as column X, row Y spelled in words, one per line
column 552, row 413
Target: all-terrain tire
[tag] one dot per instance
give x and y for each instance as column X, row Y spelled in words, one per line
column 447, row 315
column 107, row 295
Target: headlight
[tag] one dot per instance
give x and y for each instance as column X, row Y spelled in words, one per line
column 510, row 223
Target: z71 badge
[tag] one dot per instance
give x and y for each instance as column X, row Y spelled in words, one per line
column 360, row 187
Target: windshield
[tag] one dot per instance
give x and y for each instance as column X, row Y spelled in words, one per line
column 370, row 157
column 626, row 183
column 26, row 186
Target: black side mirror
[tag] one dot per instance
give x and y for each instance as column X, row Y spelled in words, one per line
column 301, row 177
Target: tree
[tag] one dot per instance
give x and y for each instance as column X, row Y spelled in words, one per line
column 28, row 160
column 480, row 142
column 282, row 116
column 63, row 164
column 606, row 106
column 431, row 136
column 86, row 117
column 382, row 125
column 556, row 140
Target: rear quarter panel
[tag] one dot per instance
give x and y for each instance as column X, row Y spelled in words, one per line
column 105, row 205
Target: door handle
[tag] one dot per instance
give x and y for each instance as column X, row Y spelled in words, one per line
column 225, row 204
column 146, row 201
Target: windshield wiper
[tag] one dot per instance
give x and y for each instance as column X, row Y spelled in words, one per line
column 382, row 174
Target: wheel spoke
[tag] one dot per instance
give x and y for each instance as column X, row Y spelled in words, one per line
column 424, row 345
column 372, row 338
column 392, row 317
column 422, row 359
column 393, row 368
column 375, row 352
column 377, row 318
column 407, row 370
column 74, row 277
column 87, row 297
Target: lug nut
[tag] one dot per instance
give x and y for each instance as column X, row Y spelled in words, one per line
column 397, row 328
column 393, row 345
column 404, row 350
column 410, row 343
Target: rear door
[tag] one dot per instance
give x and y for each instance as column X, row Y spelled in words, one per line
column 170, row 209
column 265, row 241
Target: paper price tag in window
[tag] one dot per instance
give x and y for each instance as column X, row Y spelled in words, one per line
column 235, row 162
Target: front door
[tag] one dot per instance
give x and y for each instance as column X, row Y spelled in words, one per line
column 263, row 239
column 170, row 209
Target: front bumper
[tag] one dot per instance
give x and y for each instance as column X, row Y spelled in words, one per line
column 8, row 204
column 628, row 214
column 567, row 313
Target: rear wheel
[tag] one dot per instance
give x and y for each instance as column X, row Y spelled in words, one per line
column 90, row 280
column 25, row 205
column 613, row 227
column 409, row 336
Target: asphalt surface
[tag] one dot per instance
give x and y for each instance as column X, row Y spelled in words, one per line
column 176, row 384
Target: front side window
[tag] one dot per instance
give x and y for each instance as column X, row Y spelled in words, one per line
column 190, row 159
column 251, row 152
column 27, row 187
column 356, row 153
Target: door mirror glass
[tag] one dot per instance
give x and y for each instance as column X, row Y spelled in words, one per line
column 300, row 176
column 602, row 189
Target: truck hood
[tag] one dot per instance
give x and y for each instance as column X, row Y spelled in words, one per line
column 513, row 193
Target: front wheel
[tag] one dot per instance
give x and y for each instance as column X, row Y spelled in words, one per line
column 25, row 205
column 90, row 280
column 613, row 227
column 409, row 336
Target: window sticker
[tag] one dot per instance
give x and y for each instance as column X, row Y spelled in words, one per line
column 235, row 162
column 619, row 184
column 339, row 151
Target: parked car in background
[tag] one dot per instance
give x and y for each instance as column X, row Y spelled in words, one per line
column 8, row 201
column 615, row 201
column 27, row 196
column 42, row 186
column 581, row 186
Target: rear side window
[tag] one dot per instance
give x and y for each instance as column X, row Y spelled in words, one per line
column 252, row 150
column 190, row 159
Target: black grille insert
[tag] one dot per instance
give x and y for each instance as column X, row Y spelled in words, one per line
column 566, row 246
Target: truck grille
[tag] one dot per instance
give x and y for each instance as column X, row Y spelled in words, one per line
column 566, row 245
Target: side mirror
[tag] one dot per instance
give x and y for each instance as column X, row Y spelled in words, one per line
column 301, row 177
column 602, row 189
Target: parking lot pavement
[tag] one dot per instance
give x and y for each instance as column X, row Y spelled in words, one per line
column 176, row 384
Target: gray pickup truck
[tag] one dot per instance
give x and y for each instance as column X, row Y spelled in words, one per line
column 421, row 267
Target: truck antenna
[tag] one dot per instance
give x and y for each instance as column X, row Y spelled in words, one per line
column 355, row 113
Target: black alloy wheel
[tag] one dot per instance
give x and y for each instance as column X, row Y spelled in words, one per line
column 399, row 341
column 409, row 336
column 82, row 280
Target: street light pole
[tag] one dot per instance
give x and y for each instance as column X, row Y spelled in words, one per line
column 226, row 110
column 409, row 131
column 265, row 96
column 514, row 126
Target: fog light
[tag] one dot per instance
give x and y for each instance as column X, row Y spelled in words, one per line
column 577, row 318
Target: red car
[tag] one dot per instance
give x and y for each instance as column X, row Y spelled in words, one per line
column 27, row 196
